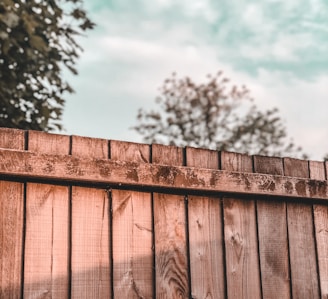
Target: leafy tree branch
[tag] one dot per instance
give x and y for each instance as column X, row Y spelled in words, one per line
column 216, row 115
column 37, row 40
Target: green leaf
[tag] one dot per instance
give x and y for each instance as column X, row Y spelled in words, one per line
column 8, row 3
column 38, row 43
column 6, row 46
column 10, row 19
column 39, row 36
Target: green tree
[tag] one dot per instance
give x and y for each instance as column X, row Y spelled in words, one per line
column 215, row 115
column 37, row 40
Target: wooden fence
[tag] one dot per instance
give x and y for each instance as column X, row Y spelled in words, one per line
column 91, row 218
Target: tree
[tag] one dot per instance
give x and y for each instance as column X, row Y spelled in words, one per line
column 37, row 40
column 216, row 115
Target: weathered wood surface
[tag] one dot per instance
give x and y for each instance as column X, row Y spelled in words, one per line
column 272, row 234
column 171, row 262
column 64, row 238
column 240, row 232
column 47, row 227
column 303, row 260
column 11, row 223
column 91, row 277
column 101, row 171
column 205, row 234
column 320, row 213
column 132, row 231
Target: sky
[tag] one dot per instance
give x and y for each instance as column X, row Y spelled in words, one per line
column 277, row 48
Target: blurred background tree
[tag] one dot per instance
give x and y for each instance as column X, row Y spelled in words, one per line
column 216, row 115
column 37, row 40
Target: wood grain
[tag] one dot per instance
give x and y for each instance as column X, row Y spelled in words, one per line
column 74, row 169
column 272, row 234
column 303, row 260
column 46, row 234
column 205, row 234
column 320, row 213
column 11, row 231
column 12, row 139
column 11, row 223
column 132, row 231
column 90, row 230
column 170, row 233
column 47, row 245
column 241, row 245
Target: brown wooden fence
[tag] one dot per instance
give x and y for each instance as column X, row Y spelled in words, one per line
column 91, row 218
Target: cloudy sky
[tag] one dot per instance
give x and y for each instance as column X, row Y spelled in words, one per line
column 277, row 48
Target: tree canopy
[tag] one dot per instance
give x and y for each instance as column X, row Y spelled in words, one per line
column 216, row 114
column 37, row 40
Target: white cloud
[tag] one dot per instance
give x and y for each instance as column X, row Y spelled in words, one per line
column 286, row 47
column 200, row 8
column 302, row 105
column 253, row 15
column 127, row 58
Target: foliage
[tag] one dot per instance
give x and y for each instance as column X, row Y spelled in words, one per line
column 215, row 115
column 37, row 39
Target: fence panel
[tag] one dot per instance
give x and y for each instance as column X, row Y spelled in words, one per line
column 171, row 263
column 46, row 233
column 240, row 232
column 11, row 223
column 273, row 239
column 91, row 218
column 205, row 234
column 320, row 213
column 132, row 230
column 90, row 260
column 303, row 260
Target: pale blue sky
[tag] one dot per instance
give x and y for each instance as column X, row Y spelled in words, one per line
column 277, row 48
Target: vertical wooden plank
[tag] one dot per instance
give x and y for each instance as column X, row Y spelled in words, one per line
column 11, row 223
column 12, row 139
column 272, row 234
column 90, row 260
column 320, row 213
column 317, row 170
column 303, row 261
column 132, row 231
column 171, row 261
column 47, row 218
column 205, row 234
column 240, row 233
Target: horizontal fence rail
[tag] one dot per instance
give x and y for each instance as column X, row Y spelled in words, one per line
column 93, row 218
column 59, row 168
